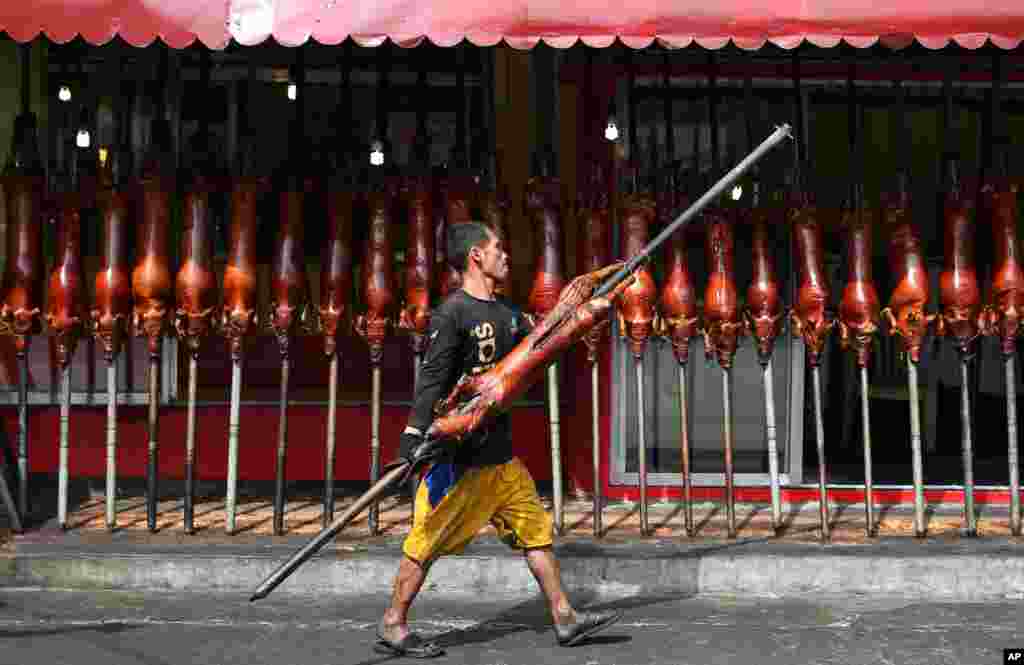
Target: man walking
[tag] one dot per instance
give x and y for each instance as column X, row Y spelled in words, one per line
column 478, row 480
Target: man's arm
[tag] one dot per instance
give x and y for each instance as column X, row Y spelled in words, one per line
column 437, row 373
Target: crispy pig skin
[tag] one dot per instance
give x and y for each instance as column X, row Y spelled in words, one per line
column 414, row 317
column 377, row 279
column 195, row 283
column 764, row 306
column 336, row 274
column 21, row 311
column 962, row 316
column 723, row 325
column 476, row 399
column 905, row 314
column 239, row 316
column 152, row 292
column 1006, row 307
column 543, row 207
column 636, row 309
column 112, row 306
column 289, row 284
column 811, row 318
column 595, row 227
column 859, row 306
column 65, row 308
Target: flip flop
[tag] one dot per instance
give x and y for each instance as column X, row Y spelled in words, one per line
column 412, row 646
column 586, row 624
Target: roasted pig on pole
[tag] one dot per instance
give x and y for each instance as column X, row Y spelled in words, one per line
column 722, row 329
column 961, row 318
column 65, row 314
column 594, row 218
column 812, row 321
column 543, row 207
column 380, row 300
column 335, row 308
column 907, row 318
column 583, row 304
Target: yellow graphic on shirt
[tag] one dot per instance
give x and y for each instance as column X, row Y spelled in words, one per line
column 486, row 346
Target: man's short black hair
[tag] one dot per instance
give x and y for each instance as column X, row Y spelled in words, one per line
column 463, row 237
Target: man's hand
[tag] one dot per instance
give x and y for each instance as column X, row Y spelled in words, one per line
column 417, row 451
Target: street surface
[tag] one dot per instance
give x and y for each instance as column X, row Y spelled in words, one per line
column 126, row 628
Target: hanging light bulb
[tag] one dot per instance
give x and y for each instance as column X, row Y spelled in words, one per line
column 377, row 154
column 611, row 130
column 64, row 94
column 293, row 91
column 82, row 139
column 737, row 192
column 103, row 155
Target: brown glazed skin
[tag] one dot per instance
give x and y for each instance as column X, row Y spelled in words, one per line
column 594, row 221
column 679, row 320
column 196, row 284
column 962, row 316
column 764, row 306
column 65, row 309
column 543, row 205
column 637, row 305
column 151, row 279
column 336, row 276
column 458, row 197
column 906, row 311
column 378, row 286
column 289, row 284
column 112, row 307
column 238, row 315
column 810, row 315
column 440, row 238
column 477, row 399
column 21, row 313
column 859, row 307
column 1007, row 304
column 419, row 263
column 723, row 325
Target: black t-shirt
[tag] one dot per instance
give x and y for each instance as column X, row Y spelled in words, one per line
column 468, row 336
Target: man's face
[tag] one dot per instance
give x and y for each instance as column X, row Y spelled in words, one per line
column 493, row 258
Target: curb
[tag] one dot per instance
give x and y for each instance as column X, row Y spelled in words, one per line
column 984, row 570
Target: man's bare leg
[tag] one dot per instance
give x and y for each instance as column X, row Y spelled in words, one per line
column 545, row 569
column 408, row 582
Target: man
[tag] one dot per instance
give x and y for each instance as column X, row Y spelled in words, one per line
column 478, row 480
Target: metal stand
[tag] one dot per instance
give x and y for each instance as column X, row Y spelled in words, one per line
column 819, row 425
column 332, row 420
column 595, row 413
column 152, row 491
column 190, row 444
column 282, row 448
column 727, row 441
column 233, row 428
column 967, row 447
column 773, row 448
column 684, row 438
column 869, row 487
column 23, row 506
column 62, row 472
column 374, row 517
column 915, row 449
column 1011, row 437
column 641, row 445
column 556, row 449
column 111, row 444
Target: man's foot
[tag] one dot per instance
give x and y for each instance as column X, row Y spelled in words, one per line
column 585, row 625
column 398, row 641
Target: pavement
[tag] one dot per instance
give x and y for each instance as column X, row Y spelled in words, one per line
column 165, row 628
column 944, row 566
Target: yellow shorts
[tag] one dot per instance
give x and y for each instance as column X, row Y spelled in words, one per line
column 504, row 495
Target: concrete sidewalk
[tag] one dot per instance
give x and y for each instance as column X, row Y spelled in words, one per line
column 942, row 566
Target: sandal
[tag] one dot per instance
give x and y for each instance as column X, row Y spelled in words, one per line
column 586, row 625
column 411, row 646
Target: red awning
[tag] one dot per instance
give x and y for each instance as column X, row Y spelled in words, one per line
column 522, row 23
